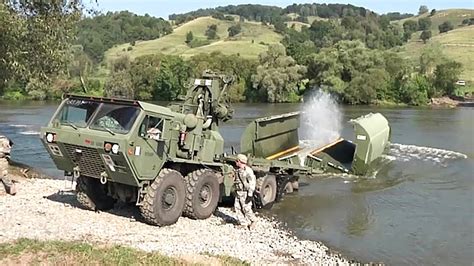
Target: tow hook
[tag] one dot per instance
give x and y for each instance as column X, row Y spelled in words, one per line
column 103, row 178
column 76, row 172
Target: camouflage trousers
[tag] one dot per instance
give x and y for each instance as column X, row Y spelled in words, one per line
column 245, row 214
column 4, row 180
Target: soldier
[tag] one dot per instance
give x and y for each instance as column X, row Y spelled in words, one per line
column 5, row 148
column 244, row 188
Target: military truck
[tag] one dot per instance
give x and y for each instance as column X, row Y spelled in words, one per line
column 170, row 161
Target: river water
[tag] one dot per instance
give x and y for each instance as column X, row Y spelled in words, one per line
column 416, row 207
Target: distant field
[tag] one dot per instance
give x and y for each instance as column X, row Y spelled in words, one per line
column 456, row 16
column 457, row 44
column 297, row 25
column 253, row 40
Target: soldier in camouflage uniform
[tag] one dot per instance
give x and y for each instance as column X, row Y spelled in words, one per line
column 244, row 187
column 5, row 148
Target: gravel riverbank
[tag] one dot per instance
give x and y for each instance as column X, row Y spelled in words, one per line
column 47, row 210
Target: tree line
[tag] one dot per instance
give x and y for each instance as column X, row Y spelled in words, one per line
column 45, row 55
column 349, row 70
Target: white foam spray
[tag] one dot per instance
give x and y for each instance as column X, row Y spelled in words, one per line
column 321, row 120
column 405, row 153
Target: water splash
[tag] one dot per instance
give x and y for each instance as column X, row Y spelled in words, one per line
column 406, row 153
column 29, row 132
column 321, row 119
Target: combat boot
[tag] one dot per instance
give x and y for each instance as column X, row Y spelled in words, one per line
column 252, row 225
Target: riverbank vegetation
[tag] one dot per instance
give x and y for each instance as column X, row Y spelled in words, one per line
column 28, row 251
column 276, row 54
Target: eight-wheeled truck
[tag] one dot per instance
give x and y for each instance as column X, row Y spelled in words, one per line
column 170, row 161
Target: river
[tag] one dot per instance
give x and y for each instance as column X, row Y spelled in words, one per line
column 417, row 207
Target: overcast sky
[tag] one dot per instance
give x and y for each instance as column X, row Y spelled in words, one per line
column 163, row 8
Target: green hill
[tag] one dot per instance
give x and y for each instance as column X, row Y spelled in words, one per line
column 457, row 44
column 253, row 39
column 455, row 16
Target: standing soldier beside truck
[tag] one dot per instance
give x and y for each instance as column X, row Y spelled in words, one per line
column 5, row 182
column 245, row 183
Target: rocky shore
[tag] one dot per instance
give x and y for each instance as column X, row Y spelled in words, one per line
column 452, row 102
column 46, row 209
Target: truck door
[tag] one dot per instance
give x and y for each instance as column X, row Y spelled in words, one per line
column 148, row 149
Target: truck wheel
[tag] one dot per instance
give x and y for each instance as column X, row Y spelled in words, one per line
column 164, row 201
column 295, row 185
column 92, row 195
column 288, row 189
column 202, row 194
column 265, row 192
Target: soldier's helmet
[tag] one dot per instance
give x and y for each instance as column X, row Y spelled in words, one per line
column 242, row 158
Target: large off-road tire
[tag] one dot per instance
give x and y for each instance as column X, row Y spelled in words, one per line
column 265, row 192
column 92, row 195
column 288, row 189
column 164, row 201
column 202, row 193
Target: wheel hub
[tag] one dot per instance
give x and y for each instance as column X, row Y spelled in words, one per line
column 205, row 195
column 169, row 198
column 267, row 192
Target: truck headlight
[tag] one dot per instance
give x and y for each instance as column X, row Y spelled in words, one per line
column 50, row 137
column 115, row 148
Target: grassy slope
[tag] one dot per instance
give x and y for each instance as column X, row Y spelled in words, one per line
column 34, row 252
column 174, row 43
column 457, row 44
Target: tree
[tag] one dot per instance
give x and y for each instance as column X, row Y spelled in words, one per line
column 425, row 35
column 189, row 37
column 278, row 75
column 211, row 32
column 414, row 90
column 424, row 23
column 279, row 25
column 36, row 37
column 433, row 12
column 445, row 27
column 410, row 26
column 446, row 75
column 234, row 30
column 431, row 56
column 119, row 85
column 172, row 78
column 423, row 9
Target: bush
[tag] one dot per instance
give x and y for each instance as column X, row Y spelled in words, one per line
column 424, row 23
column 14, row 96
column 425, row 35
column 445, row 27
column 211, row 32
column 234, row 30
column 37, row 89
column 189, row 37
column 129, row 48
column 198, row 43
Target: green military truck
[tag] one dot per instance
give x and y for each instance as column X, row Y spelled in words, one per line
column 170, row 161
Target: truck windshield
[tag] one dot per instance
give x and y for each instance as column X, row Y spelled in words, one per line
column 115, row 118
column 77, row 112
